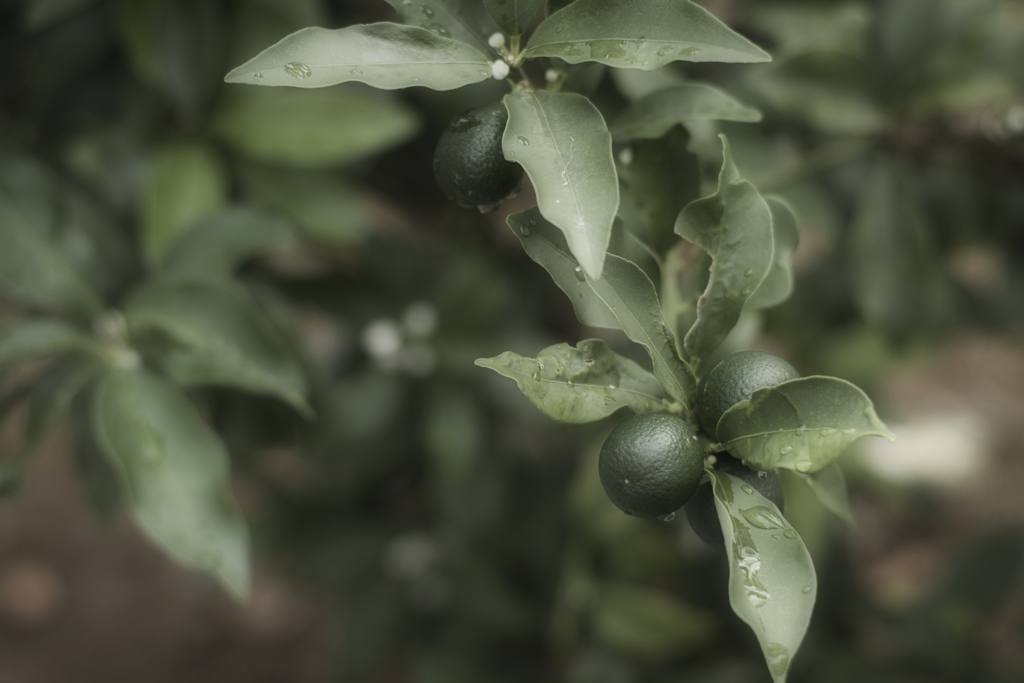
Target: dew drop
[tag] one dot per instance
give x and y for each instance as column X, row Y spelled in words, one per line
column 588, row 361
column 571, row 384
column 827, row 431
column 745, row 291
column 525, row 230
column 664, row 51
column 804, row 466
column 536, row 376
column 356, row 72
column 558, row 29
column 427, row 12
column 523, row 141
column 849, row 430
column 786, row 450
column 789, row 533
column 258, row 76
column 626, row 482
column 298, row 70
column 613, row 386
column 533, row 221
column 646, row 62
column 580, row 275
column 806, row 589
column 748, row 489
column 669, row 517
column 800, row 430
column 748, row 272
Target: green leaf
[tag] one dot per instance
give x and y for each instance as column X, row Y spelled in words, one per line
column 546, row 245
column 829, row 487
column 53, row 393
column 654, row 115
column 326, row 207
column 734, row 226
column 663, row 177
column 32, row 270
column 582, row 384
column 772, row 584
column 639, row 36
column 219, row 336
column 384, row 55
column 316, row 128
column 686, row 269
column 514, row 16
column 562, row 142
column 778, row 283
column 186, row 183
column 37, row 337
column 464, row 20
column 803, row 424
column 631, row 296
column 216, row 246
column 174, row 472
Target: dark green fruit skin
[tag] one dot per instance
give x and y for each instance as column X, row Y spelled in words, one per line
column 651, row 464
column 734, row 379
column 468, row 162
column 700, row 509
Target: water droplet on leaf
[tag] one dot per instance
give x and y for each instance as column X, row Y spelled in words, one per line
column 804, row 466
column 298, row 70
column 580, row 275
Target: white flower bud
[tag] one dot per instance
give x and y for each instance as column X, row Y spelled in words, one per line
column 551, row 75
column 499, row 69
column 496, row 40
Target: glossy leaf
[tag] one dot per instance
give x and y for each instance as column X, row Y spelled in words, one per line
column 829, row 487
column 639, row 36
column 686, row 269
column 514, row 16
column 654, row 115
column 218, row 245
column 778, row 283
column 546, row 245
column 187, row 182
column 734, row 226
column 464, row 20
column 562, row 142
column 663, row 177
column 772, row 584
column 312, row 128
column 174, row 473
column 218, row 336
column 383, row 55
column 34, row 271
column 631, row 296
column 803, row 424
column 582, row 384
column 38, row 337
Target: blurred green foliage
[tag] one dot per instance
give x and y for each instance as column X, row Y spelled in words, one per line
column 456, row 533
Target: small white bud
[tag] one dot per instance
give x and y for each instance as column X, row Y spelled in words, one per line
column 499, row 69
column 626, row 156
column 551, row 75
column 496, row 40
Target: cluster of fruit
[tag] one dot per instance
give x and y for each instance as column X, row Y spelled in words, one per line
column 652, row 464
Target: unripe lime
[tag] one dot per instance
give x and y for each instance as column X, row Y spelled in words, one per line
column 469, row 164
column 651, row 464
column 700, row 509
column 733, row 380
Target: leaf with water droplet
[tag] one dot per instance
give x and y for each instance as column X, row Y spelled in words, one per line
column 734, row 226
column 816, row 418
column 768, row 571
column 615, row 33
column 569, row 160
column 467, row 22
column 174, row 472
column 570, row 385
column 383, row 55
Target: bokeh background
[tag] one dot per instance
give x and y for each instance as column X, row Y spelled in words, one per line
column 430, row 525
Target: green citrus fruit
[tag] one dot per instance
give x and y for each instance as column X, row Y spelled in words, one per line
column 469, row 164
column 651, row 464
column 700, row 509
column 734, row 379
